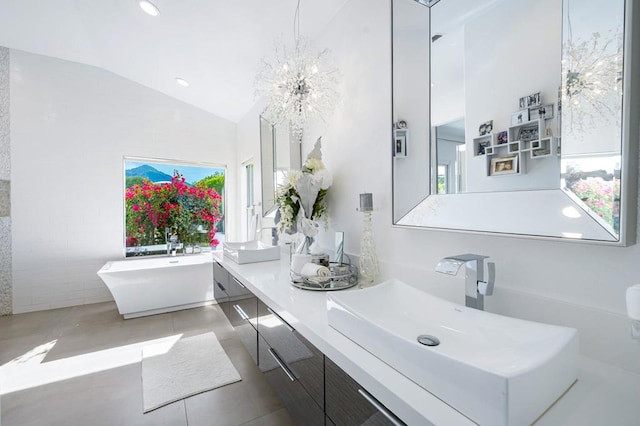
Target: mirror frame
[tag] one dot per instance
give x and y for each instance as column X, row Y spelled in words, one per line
column 630, row 135
column 267, row 165
column 269, row 160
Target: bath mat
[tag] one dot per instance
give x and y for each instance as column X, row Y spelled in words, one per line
column 191, row 366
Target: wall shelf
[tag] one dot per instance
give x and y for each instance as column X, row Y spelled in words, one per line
column 525, row 140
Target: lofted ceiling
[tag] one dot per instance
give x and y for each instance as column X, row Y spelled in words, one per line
column 216, row 45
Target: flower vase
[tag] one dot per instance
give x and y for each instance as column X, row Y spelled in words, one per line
column 368, row 256
column 305, row 244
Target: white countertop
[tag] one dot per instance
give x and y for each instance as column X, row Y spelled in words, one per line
column 603, row 394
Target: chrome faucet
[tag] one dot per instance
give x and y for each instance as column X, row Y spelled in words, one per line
column 475, row 285
column 274, row 234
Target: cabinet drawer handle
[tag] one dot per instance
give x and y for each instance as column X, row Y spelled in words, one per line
column 282, row 365
column 220, row 286
column 286, row 324
column 238, row 282
column 241, row 312
column 378, row 406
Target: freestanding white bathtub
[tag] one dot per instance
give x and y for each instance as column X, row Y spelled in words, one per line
column 151, row 286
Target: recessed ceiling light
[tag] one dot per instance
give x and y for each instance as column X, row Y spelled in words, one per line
column 182, row 82
column 149, row 8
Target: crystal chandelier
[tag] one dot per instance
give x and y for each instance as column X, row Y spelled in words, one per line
column 297, row 86
column 592, row 80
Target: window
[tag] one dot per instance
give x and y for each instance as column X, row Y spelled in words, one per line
column 172, row 205
column 443, row 178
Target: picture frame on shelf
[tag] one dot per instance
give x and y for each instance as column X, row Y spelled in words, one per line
column 541, row 152
column 502, row 137
column 528, row 133
column 531, row 100
column 543, row 111
column 520, row 117
column 400, row 143
column 485, row 128
column 482, row 146
column 504, row 165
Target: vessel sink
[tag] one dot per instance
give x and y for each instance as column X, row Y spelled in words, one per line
column 494, row 369
column 250, row 251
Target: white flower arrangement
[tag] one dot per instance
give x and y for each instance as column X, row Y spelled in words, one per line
column 304, row 192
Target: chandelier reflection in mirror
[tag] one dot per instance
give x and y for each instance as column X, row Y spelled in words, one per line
column 297, row 85
column 592, row 83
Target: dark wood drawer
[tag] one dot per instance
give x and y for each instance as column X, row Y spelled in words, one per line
column 302, row 408
column 349, row 404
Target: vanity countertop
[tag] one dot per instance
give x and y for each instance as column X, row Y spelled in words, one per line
column 603, row 394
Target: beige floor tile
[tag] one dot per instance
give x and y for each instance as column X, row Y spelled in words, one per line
column 106, row 312
column 201, row 320
column 277, row 418
column 90, row 337
column 239, row 402
column 18, row 325
column 114, row 396
column 107, row 398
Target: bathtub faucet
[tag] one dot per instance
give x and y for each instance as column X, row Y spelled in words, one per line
column 172, row 243
column 476, row 287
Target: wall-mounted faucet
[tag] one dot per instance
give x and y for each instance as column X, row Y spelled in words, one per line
column 476, row 287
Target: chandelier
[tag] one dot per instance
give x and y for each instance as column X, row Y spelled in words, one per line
column 297, row 85
column 592, row 80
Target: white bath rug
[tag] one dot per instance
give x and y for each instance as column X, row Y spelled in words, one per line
column 191, row 366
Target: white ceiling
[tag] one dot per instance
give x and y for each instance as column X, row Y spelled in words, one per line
column 216, row 45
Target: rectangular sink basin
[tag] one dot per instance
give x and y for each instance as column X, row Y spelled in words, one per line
column 250, row 251
column 494, row 369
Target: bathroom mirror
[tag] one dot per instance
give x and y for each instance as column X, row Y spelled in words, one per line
column 513, row 117
column 279, row 153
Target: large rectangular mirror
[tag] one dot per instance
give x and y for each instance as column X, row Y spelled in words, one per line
column 280, row 151
column 522, row 110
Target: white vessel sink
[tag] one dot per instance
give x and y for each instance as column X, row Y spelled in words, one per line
column 250, row 251
column 496, row 370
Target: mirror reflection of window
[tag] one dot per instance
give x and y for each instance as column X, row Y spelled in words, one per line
column 443, row 178
column 595, row 181
column 450, row 142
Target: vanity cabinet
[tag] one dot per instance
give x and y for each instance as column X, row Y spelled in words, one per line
column 349, row 404
column 240, row 306
column 293, row 367
column 220, row 284
column 314, row 390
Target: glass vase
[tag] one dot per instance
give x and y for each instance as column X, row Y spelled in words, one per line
column 368, row 257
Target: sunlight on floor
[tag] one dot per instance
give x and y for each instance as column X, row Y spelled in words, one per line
column 28, row 370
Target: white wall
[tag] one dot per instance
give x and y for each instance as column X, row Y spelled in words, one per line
column 580, row 285
column 511, row 51
column 71, row 125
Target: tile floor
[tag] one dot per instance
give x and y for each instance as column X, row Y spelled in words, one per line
column 83, row 388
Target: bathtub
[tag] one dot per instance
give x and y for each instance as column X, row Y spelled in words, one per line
column 151, row 286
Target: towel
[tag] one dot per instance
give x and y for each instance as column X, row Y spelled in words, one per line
column 312, row 269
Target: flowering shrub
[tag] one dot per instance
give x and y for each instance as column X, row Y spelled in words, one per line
column 304, row 191
column 600, row 196
column 190, row 211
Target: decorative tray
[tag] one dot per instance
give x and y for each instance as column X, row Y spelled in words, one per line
column 343, row 275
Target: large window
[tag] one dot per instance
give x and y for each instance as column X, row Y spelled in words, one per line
column 172, row 206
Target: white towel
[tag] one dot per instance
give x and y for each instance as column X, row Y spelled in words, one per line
column 298, row 261
column 313, row 269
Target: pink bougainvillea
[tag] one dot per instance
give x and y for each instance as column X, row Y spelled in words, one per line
column 189, row 211
column 603, row 197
